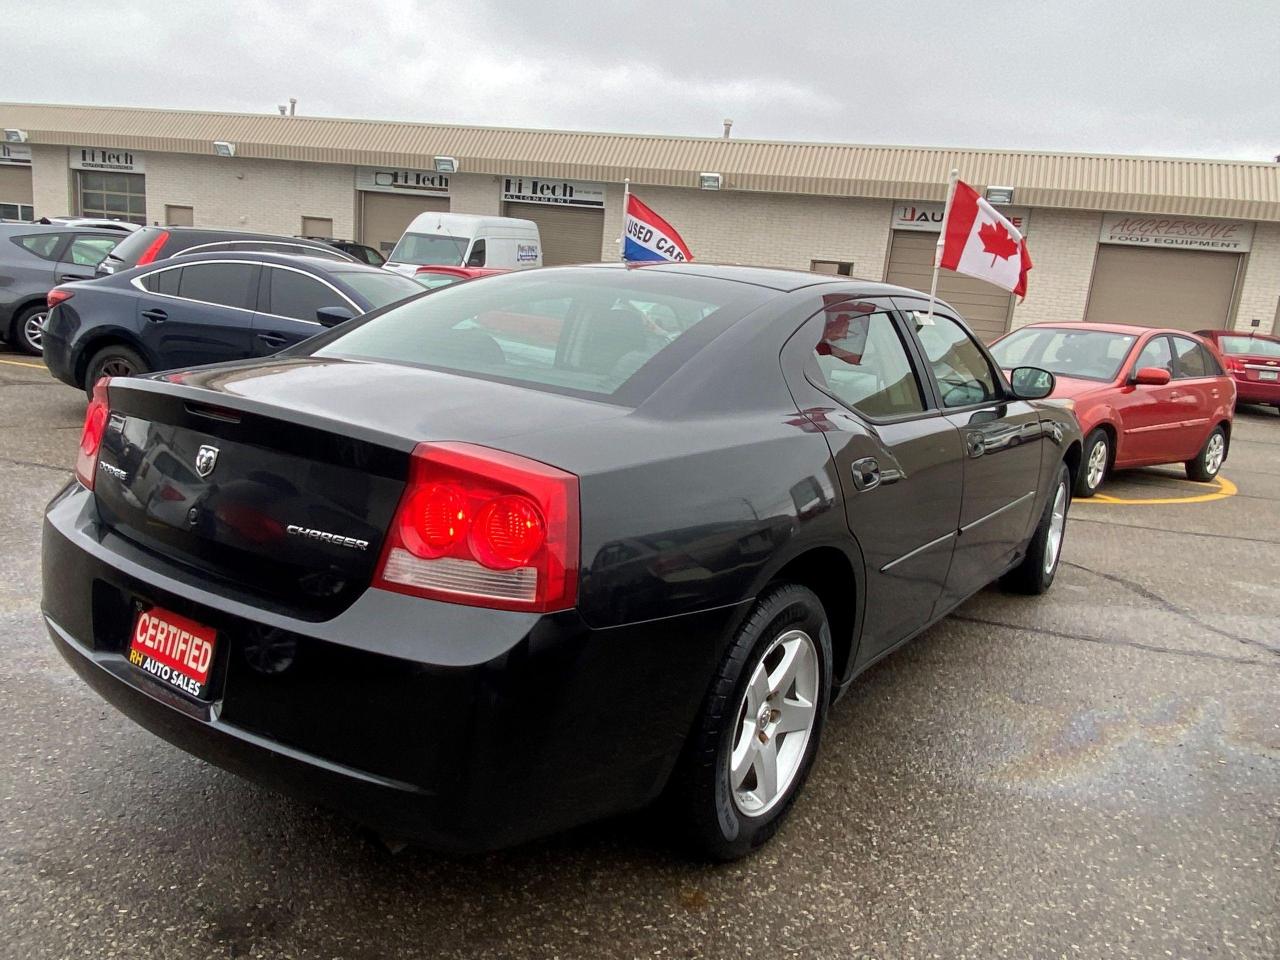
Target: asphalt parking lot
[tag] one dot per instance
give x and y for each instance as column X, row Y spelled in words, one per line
column 1092, row 774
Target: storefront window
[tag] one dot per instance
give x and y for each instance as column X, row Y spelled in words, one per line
column 16, row 211
column 114, row 196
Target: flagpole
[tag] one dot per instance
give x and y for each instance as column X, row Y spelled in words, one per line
column 622, row 238
column 942, row 241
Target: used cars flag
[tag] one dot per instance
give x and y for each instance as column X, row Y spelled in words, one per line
column 979, row 242
column 647, row 237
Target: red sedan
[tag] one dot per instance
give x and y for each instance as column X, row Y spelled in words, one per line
column 1253, row 359
column 441, row 275
column 1143, row 395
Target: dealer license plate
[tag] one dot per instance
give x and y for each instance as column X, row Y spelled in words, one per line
column 1268, row 374
column 174, row 650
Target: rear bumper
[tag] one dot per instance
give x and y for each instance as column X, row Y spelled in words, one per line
column 1257, row 391
column 460, row 728
column 57, row 356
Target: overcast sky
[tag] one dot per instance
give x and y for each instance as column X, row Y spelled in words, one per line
column 1181, row 77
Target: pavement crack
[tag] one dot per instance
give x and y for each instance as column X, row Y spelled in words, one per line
column 1183, row 533
column 1170, row 607
column 1110, row 642
column 10, row 461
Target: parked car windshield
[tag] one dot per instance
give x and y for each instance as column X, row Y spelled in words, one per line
column 585, row 333
column 1253, row 345
column 379, row 287
column 1087, row 354
column 424, row 248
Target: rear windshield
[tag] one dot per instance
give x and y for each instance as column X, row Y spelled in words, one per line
column 1087, row 354
column 131, row 247
column 424, row 248
column 379, row 287
column 605, row 334
column 1250, row 345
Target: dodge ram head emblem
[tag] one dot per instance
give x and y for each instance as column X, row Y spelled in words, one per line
column 206, row 460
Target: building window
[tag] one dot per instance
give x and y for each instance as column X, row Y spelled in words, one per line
column 179, row 216
column 319, row 227
column 17, row 211
column 841, row 268
column 113, row 196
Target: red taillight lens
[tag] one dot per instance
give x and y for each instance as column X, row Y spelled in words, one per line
column 154, row 248
column 486, row 528
column 95, row 425
column 1234, row 364
column 57, row 295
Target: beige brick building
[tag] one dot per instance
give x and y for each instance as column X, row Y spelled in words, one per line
column 1187, row 243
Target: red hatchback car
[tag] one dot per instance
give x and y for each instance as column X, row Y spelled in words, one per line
column 1143, row 396
column 1253, row 359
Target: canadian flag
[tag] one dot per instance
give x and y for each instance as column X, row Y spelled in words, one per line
column 979, row 242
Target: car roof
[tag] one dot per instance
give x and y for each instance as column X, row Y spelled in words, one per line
column 1130, row 328
column 774, row 278
column 319, row 264
column 22, row 228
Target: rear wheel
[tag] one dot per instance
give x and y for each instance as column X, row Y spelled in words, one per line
column 1038, row 568
column 758, row 730
column 1094, row 463
column 1209, row 461
column 115, row 360
column 28, row 329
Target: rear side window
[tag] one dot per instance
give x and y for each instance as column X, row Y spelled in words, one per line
column 43, row 245
column 163, row 281
column 964, row 376
column 1191, row 360
column 585, row 332
column 861, row 361
column 298, row 296
column 226, row 284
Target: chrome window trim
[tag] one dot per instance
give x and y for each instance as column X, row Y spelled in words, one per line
column 326, row 252
column 137, row 282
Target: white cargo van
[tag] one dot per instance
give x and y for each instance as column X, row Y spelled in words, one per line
column 467, row 240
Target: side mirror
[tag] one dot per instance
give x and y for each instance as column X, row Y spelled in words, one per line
column 332, row 316
column 1031, row 383
column 1151, row 376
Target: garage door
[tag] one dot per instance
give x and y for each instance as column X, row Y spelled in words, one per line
column 384, row 216
column 986, row 307
column 569, row 234
column 1185, row 289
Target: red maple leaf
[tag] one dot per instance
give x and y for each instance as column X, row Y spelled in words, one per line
column 997, row 242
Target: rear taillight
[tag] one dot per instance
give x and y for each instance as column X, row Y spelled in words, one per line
column 154, row 248
column 485, row 528
column 1234, row 364
column 57, row 295
column 95, row 425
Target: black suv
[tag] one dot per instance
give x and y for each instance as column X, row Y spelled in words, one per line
column 160, row 243
column 362, row 252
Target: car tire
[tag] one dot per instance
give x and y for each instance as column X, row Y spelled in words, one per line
column 115, row 360
column 1095, row 462
column 1208, row 461
column 1034, row 575
column 27, row 331
column 726, row 816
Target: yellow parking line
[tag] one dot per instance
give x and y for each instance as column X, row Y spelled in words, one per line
column 1225, row 489
column 20, row 363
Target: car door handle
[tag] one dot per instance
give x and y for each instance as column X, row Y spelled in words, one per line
column 866, row 473
column 155, row 316
column 273, row 339
column 70, row 277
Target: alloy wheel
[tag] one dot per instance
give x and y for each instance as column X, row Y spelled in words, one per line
column 116, row 367
column 775, row 721
column 1214, row 454
column 33, row 331
column 1097, row 467
column 1057, row 525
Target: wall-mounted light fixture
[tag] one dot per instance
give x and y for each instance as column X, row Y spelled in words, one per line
column 446, row 165
column 15, row 136
column 224, row 148
column 710, row 181
column 1000, row 195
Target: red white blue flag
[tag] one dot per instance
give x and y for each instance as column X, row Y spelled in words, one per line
column 647, row 237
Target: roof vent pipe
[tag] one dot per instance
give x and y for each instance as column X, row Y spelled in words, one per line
column 293, row 106
column 728, row 125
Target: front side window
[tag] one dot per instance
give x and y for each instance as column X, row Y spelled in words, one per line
column 964, row 376
column 862, row 362
column 1156, row 354
column 476, row 259
column 298, row 296
column 580, row 335
column 1190, row 360
column 90, row 251
column 425, row 248
column 226, row 284
column 1087, row 354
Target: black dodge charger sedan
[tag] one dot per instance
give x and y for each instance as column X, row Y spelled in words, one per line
column 524, row 553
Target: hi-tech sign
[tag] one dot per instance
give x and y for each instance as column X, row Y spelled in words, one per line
column 106, row 158
column 910, row 215
column 15, row 154
column 1176, row 233
column 395, row 180
column 571, row 193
